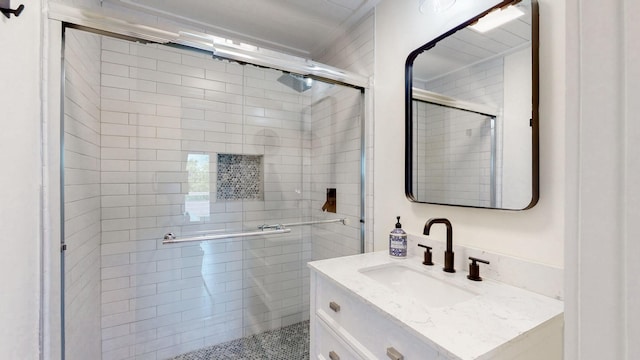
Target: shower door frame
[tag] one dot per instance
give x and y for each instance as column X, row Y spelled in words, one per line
column 358, row 84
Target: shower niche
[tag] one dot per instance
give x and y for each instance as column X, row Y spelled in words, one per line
column 161, row 140
column 240, row 177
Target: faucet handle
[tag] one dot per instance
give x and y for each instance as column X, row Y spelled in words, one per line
column 474, row 268
column 427, row 255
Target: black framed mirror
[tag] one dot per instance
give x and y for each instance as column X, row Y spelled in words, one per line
column 471, row 113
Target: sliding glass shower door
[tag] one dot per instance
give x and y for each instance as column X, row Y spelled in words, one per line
column 196, row 190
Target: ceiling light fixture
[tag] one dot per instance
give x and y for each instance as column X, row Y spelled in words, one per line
column 496, row 18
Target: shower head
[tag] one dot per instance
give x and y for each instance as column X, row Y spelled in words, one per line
column 296, row 82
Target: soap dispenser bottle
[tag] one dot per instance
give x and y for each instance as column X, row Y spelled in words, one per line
column 398, row 242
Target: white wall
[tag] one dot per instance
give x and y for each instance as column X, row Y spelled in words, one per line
column 354, row 49
column 82, row 193
column 80, row 3
column 20, row 161
column 603, row 199
column 535, row 234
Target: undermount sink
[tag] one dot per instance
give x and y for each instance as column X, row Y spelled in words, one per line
column 417, row 284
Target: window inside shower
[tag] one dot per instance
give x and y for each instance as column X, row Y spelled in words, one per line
column 162, row 140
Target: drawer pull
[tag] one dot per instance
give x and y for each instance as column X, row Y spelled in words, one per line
column 334, row 306
column 394, row 354
column 333, row 355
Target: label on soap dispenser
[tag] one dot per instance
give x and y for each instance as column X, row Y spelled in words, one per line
column 398, row 244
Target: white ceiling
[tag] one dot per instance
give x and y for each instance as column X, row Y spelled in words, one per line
column 297, row 27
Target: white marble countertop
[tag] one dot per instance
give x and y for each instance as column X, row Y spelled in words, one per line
column 473, row 329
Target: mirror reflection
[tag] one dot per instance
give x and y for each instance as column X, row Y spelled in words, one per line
column 472, row 137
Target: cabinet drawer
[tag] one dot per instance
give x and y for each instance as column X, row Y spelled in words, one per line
column 365, row 329
column 329, row 346
column 337, row 305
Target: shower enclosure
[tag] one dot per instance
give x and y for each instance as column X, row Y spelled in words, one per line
column 193, row 196
column 456, row 158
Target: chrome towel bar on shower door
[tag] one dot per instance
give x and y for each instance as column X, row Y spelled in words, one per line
column 344, row 221
column 170, row 238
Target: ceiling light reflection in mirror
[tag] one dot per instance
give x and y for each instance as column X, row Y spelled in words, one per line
column 497, row 18
column 438, row 5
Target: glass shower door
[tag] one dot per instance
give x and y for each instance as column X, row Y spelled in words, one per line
column 165, row 144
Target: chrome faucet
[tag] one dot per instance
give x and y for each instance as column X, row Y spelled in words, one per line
column 448, row 254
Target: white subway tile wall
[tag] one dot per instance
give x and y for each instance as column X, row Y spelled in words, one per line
column 456, row 145
column 455, row 151
column 355, row 51
column 336, row 163
column 82, row 193
column 160, row 105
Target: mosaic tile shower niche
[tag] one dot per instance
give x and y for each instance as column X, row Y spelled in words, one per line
column 240, row 177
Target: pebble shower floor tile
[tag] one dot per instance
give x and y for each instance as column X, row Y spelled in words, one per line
column 287, row 343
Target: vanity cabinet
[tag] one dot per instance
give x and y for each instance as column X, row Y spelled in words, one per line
column 344, row 326
column 357, row 316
